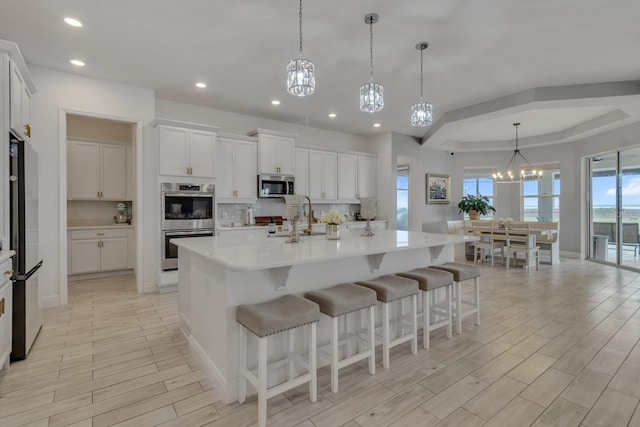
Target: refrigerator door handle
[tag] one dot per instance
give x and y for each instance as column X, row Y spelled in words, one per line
column 30, row 273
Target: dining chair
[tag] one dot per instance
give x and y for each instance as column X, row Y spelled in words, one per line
column 487, row 241
column 521, row 240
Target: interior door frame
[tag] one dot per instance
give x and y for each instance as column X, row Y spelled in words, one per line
column 138, row 211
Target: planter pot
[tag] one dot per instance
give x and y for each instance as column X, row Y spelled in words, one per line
column 333, row 232
column 473, row 215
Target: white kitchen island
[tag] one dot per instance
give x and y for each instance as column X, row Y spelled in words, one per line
column 216, row 274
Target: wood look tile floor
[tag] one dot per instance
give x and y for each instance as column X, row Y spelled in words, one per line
column 556, row 347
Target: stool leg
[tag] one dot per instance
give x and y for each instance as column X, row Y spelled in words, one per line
column 290, row 342
column 449, row 317
column 334, row 355
column 262, row 382
column 425, row 319
column 313, row 365
column 385, row 335
column 458, row 307
column 476, row 285
column 372, row 340
column 414, row 323
column 242, row 363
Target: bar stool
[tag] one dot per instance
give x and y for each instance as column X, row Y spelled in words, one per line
column 342, row 300
column 430, row 279
column 269, row 318
column 393, row 288
column 462, row 272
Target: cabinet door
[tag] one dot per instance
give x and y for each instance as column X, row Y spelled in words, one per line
column 26, row 112
column 285, row 155
column 202, row 150
column 267, row 153
column 347, row 176
column 246, row 169
column 315, row 175
column 5, row 323
column 174, row 150
column 15, row 96
column 113, row 171
column 366, row 176
column 301, row 185
column 225, row 185
column 84, row 170
column 114, row 254
column 85, row 256
column 330, row 176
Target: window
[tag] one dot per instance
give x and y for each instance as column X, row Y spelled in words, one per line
column 541, row 199
column 479, row 183
column 402, row 198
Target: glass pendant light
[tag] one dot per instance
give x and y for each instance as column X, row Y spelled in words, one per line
column 371, row 94
column 527, row 173
column 301, row 79
column 422, row 112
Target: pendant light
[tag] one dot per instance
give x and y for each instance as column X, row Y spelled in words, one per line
column 371, row 94
column 527, row 173
column 422, row 112
column 301, row 79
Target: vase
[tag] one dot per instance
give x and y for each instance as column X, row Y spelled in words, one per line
column 473, row 215
column 333, row 232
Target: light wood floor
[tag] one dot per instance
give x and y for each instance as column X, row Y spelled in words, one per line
column 556, row 347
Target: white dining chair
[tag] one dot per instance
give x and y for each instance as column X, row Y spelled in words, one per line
column 521, row 240
column 487, row 241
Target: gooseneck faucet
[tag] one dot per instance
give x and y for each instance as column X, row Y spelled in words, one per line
column 310, row 226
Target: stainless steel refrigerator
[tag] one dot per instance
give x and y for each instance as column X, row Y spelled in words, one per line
column 27, row 309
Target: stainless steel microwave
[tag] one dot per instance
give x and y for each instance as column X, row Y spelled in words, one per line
column 275, row 185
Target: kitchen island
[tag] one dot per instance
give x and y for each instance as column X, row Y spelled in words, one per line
column 216, row 274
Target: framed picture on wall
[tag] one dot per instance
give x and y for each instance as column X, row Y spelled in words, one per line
column 438, row 187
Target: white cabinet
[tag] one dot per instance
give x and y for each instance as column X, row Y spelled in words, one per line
column 301, row 185
column 20, row 103
column 97, row 250
column 186, row 151
column 237, row 169
column 98, row 171
column 6, row 304
column 275, row 152
column 323, row 167
column 366, row 176
column 347, row 177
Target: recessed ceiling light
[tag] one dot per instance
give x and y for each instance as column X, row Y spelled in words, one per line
column 77, row 63
column 73, row 22
column 201, row 85
column 332, row 115
column 275, row 102
column 376, row 125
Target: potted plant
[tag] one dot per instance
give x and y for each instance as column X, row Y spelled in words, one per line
column 475, row 206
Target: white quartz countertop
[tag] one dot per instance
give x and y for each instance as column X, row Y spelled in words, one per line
column 260, row 252
column 94, row 227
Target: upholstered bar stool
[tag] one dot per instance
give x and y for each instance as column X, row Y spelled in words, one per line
column 462, row 272
column 430, row 279
column 389, row 289
column 342, row 301
column 266, row 319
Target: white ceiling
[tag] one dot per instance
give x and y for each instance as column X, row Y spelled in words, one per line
column 479, row 51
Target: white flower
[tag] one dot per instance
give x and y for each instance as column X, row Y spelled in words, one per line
column 505, row 221
column 121, row 207
column 333, row 217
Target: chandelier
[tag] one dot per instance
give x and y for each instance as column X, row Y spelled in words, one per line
column 422, row 112
column 301, row 80
column 526, row 173
column 371, row 94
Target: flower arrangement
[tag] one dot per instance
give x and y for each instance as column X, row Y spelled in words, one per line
column 333, row 217
column 505, row 221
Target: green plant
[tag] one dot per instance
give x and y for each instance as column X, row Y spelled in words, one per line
column 477, row 203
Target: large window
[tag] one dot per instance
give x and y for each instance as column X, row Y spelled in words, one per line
column 479, row 183
column 541, row 199
column 402, row 199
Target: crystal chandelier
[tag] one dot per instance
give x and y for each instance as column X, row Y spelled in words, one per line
column 301, row 80
column 526, row 173
column 422, row 112
column 371, row 94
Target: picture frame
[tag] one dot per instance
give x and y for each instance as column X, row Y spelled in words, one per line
column 438, row 189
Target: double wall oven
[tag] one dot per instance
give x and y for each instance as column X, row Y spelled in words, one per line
column 188, row 210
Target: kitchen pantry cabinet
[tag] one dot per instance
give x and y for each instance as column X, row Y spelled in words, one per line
column 366, row 176
column 98, row 171
column 20, row 99
column 186, row 152
column 237, row 167
column 347, row 177
column 100, row 249
column 301, row 184
column 6, row 303
column 323, row 176
column 276, row 152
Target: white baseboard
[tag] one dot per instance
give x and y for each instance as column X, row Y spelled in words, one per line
column 228, row 391
column 569, row 254
column 149, row 287
column 51, row 301
column 100, row 275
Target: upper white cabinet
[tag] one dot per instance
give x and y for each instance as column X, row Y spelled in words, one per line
column 237, row 166
column 20, row 101
column 301, row 185
column 276, row 152
column 323, row 176
column 186, row 149
column 98, row 171
column 366, row 176
column 347, row 176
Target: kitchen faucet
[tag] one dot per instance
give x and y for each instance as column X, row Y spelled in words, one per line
column 309, row 229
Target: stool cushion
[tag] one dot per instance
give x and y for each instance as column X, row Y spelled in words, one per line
column 390, row 288
column 342, row 299
column 460, row 271
column 271, row 317
column 429, row 278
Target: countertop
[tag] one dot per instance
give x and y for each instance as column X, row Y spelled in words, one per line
column 94, row 227
column 315, row 224
column 257, row 252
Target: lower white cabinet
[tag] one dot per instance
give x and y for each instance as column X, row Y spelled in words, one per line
column 97, row 250
column 6, row 300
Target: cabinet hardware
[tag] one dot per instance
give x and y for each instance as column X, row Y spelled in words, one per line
column 8, row 272
column 27, row 130
column 2, row 307
column 99, row 234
